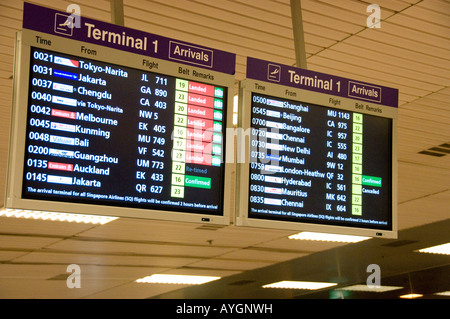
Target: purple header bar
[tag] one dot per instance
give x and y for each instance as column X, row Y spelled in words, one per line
column 57, row 23
column 320, row 82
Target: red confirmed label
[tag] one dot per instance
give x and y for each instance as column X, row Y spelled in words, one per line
column 201, row 88
column 198, row 158
column 64, row 114
column 199, row 135
column 199, row 123
column 202, row 112
column 60, row 166
column 202, row 100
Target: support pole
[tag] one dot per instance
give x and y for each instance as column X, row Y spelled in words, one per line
column 297, row 28
column 117, row 12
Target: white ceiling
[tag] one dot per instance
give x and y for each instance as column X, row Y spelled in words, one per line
column 410, row 52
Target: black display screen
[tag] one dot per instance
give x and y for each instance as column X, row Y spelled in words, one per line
column 100, row 133
column 321, row 165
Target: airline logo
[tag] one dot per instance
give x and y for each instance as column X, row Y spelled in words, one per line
column 274, row 103
column 65, row 75
column 273, row 113
column 62, row 87
column 273, row 157
column 61, row 153
column 66, row 62
column 273, row 179
column 272, row 190
column 64, row 114
column 59, row 179
column 276, row 136
column 64, row 100
column 62, row 140
column 62, row 127
column 274, row 124
column 273, row 168
column 60, row 166
column 272, row 201
column 273, row 146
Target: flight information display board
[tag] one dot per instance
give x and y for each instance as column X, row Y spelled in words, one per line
column 126, row 134
column 317, row 160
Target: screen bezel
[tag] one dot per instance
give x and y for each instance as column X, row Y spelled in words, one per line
column 249, row 86
column 26, row 39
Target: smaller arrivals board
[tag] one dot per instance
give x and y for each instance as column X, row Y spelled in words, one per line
column 321, row 154
column 105, row 130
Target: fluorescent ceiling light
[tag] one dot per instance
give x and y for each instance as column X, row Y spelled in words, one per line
column 176, row 279
column 309, row 285
column 52, row 216
column 443, row 293
column 371, row 288
column 328, row 237
column 411, row 296
column 443, row 249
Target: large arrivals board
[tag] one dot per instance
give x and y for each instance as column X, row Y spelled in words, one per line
column 321, row 153
column 104, row 130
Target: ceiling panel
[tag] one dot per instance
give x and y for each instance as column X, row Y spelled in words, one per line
column 7, row 255
column 188, row 233
column 231, row 264
column 93, row 245
column 417, row 180
column 11, row 226
column 271, row 256
column 300, row 247
column 25, row 242
column 411, row 213
column 400, row 52
column 413, row 20
column 67, row 258
column 19, row 288
column 134, row 290
column 393, row 69
column 415, row 35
